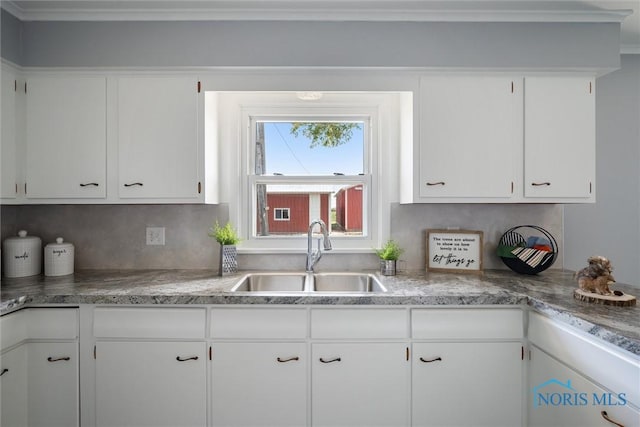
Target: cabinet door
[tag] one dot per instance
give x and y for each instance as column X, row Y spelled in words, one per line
column 53, row 384
column 66, row 137
column 559, row 396
column 13, row 383
column 8, row 171
column 467, row 384
column 559, row 137
column 158, row 137
column 360, row 384
column 259, row 384
column 470, row 136
column 150, row 384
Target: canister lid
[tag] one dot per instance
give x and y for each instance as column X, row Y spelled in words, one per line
column 22, row 237
column 59, row 243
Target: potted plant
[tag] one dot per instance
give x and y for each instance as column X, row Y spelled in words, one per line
column 389, row 255
column 228, row 239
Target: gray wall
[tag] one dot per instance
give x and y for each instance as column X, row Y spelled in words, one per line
column 379, row 44
column 611, row 227
column 113, row 236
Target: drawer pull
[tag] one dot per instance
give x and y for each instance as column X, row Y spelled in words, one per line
column 337, row 359
column 430, row 184
column 540, row 184
column 4, row 371
column 606, row 417
column 58, row 359
column 134, row 184
column 422, row 359
column 290, row 359
column 90, row 184
column 180, row 359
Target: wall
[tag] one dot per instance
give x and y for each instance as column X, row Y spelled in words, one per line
column 611, row 227
column 113, row 236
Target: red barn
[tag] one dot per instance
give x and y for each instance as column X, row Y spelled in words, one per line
column 349, row 208
column 292, row 212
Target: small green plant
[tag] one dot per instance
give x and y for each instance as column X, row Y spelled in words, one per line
column 391, row 251
column 224, row 235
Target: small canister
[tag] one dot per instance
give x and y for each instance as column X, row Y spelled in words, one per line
column 58, row 258
column 22, row 255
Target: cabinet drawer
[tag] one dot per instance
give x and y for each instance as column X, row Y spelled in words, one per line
column 39, row 323
column 116, row 322
column 258, row 323
column 472, row 323
column 358, row 323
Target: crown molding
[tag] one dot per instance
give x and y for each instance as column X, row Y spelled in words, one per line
column 317, row 10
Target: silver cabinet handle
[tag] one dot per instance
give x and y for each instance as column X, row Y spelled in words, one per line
column 437, row 359
column 540, row 184
column 606, row 417
column 430, row 184
column 134, row 184
column 184, row 359
column 290, row 359
column 58, row 359
column 90, row 184
column 336, row 359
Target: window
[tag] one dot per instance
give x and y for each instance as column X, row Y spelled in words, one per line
column 281, row 214
column 292, row 167
column 311, row 165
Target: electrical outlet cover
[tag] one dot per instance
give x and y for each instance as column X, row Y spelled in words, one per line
column 155, row 235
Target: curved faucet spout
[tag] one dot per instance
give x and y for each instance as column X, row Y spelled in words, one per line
column 313, row 256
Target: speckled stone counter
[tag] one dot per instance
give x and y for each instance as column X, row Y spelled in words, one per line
column 550, row 293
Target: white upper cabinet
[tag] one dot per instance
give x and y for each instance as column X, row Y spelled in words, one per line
column 559, row 137
column 497, row 138
column 158, row 150
column 470, row 135
column 66, row 137
column 8, row 169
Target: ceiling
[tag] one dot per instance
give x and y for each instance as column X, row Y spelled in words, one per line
column 626, row 12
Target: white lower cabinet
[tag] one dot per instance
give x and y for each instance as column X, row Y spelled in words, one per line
column 259, row 384
column 13, row 383
column 53, row 386
column 40, row 368
column 467, row 384
column 359, row 384
column 560, row 396
column 150, row 384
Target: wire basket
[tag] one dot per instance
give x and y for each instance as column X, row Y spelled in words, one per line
column 513, row 250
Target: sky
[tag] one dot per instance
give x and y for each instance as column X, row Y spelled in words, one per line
column 289, row 155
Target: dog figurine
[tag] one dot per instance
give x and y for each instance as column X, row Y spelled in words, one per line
column 596, row 277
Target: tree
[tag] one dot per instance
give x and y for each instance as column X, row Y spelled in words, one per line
column 324, row 134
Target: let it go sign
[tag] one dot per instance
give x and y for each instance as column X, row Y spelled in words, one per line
column 454, row 251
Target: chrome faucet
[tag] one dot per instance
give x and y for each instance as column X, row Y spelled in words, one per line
column 313, row 256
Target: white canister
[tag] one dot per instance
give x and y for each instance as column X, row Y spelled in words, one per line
column 58, row 258
column 22, row 255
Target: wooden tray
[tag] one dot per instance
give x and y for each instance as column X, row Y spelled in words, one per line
column 620, row 301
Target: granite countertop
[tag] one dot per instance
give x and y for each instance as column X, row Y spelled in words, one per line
column 550, row 292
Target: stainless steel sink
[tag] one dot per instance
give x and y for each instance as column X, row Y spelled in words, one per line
column 347, row 282
column 278, row 282
column 272, row 282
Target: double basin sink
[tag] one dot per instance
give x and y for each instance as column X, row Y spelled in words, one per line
column 309, row 282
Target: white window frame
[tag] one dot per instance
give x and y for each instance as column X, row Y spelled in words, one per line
column 234, row 121
column 282, row 210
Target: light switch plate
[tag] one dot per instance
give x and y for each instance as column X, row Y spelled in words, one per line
column 155, row 235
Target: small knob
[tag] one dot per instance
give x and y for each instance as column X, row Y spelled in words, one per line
column 22, row 233
column 59, row 240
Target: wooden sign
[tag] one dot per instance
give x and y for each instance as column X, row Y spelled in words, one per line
column 454, row 251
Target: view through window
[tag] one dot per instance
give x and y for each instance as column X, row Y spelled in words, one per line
column 310, row 169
